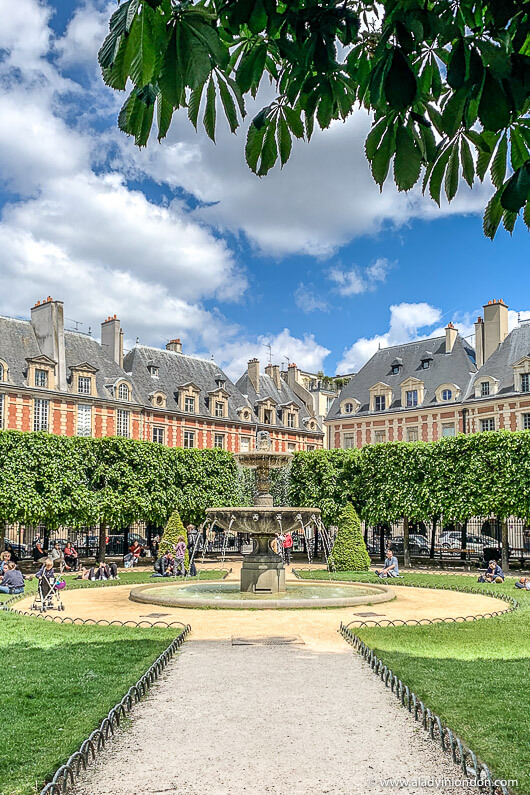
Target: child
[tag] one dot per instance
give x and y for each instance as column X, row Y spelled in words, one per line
column 524, row 583
column 180, row 553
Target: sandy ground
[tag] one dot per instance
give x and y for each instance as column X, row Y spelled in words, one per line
column 289, row 720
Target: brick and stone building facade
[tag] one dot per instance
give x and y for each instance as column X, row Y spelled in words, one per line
column 68, row 383
column 439, row 387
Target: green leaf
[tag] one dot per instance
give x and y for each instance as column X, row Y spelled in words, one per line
column 435, row 182
column 269, row 152
column 194, row 103
column 229, row 106
column 456, row 68
column 253, row 146
column 164, row 114
column 452, row 173
column 452, row 112
column 381, row 159
column 518, row 149
column 492, row 216
column 526, row 213
column 210, row 110
column 517, row 190
column 245, row 69
column 171, row 80
column 508, row 220
column 325, row 109
column 407, row 162
column 210, row 39
column 494, row 108
column 468, row 167
column 373, row 138
column 400, row 82
column 293, row 119
column 284, row 141
column 498, row 167
column 142, row 46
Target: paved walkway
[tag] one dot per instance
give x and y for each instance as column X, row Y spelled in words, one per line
column 245, row 720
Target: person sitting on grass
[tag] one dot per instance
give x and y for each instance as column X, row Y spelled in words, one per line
column 104, row 571
column 12, row 581
column 163, row 566
column 391, row 568
column 180, row 554
column 5, row 557
column 524, row 583
column 493, row 573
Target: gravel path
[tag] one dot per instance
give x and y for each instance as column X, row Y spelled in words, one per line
column 289, row 720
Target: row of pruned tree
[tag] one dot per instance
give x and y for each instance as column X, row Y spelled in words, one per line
column 455, row 478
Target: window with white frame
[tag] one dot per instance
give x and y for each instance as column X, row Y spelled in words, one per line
column 219, row 408
column 2, row 401
column 412, row 398
column 379, row 402
column 290, row 419
column 526, row 422
column 153, row 370
column 84, row 420
column 488, row 424
column 84, row 385
column 41, row 378
column 484, row 388
column 219, row 440
column 267, row 416
column 189, row 404
column 1, row 372
column 123, row 422
column 245, row 444
column 447, row 394
column 525, row 382
column 123, row 392
column 291, row 447
column 348, row 408
column 379, row 437
column 425, row 364
column 41, row 410
column 412, row 434
column 158, row 435
column 448, row 429
column 349, row 440
column 189, row 439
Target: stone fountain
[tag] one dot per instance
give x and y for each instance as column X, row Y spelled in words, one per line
column 263, row 571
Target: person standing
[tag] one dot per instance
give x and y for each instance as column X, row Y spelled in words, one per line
column 193, row 538
column 180, row 554
column 287, row 547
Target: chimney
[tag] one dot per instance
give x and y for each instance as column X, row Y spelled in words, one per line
column 495, row 326
column 253, row 373
column 479, row 341
column 292, row 374
column 276, row 376
column 174, row 345
column 112, row 339
column 450, row 337
column 47, row 319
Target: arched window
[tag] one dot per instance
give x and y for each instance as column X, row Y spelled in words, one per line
column 348, row 408
column 1, row 372
column 123, row 392
column 447, row 394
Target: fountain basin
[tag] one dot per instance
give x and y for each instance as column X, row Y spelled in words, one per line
column 261, row 520
column 227, row 596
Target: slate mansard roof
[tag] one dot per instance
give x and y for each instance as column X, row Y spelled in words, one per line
column 500, row 364
column 18, row 343
column 176, row 370
column 282, row 396
column 456, row 367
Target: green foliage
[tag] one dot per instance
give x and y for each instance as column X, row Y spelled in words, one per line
column 349, row 551
column 173, row 529
column 317, row 481
column 448, row 84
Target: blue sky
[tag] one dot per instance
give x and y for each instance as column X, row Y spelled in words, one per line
column 181, row 240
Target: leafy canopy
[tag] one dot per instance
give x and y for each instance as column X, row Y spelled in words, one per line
column 448, row 83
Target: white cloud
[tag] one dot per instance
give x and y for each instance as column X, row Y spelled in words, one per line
column 405, row 322
column 84, row 35
column 308, row 299
column 356, row 281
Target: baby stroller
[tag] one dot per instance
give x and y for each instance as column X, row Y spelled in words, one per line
column 48, row 596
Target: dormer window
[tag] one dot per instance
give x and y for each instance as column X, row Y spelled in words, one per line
column 484, row 388
column 426, row 360
column 396, row 366
column 41, row 378
column 525, row 382
column 379, row 403
column 84, row 385
column 219, row 408
column 412, row 398
column 447, row 394
column 220, row 383
column 267, row 417
column 395, row 369
column 153, row 370
column 290, row 419
column 1, row 372
column 123, row 392
column 189, row 404
column 348, row 408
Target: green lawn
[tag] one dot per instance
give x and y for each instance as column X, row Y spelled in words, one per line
column 137, row 577
column 58, row 683
column 476, row 676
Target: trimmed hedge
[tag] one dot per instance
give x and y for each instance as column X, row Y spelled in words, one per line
column 349, row 551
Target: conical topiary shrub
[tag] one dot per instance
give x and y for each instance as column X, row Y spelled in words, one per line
column 172, row 531
column 349, row 550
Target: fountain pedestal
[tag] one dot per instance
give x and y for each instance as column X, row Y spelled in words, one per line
column 262, row 571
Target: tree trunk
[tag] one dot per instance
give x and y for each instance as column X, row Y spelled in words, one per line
column 102, row 548
column 382, row 541
column 125, row 540
column 463, row 553
column 433, row 538
column 406, row 550
column 505, row 548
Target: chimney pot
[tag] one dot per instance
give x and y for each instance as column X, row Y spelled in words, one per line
column 253, row 373
column 450, row 337
column 112, row 339
column 174, row 345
